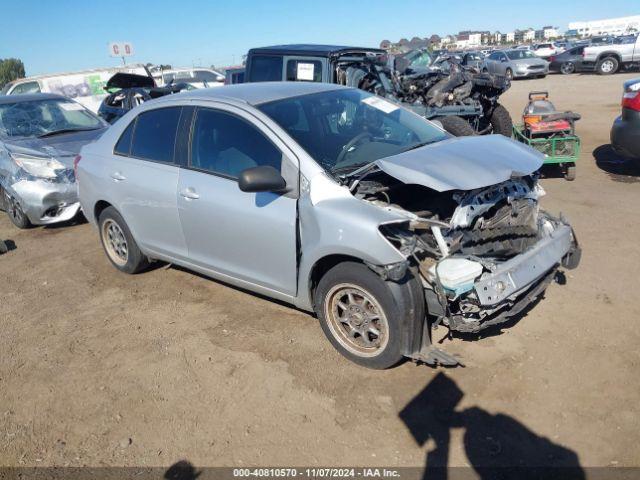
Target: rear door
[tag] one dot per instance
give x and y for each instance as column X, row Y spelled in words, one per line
column 144, row 172
column 246, row 236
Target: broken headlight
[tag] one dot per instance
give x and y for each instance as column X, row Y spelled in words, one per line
column 41, row 167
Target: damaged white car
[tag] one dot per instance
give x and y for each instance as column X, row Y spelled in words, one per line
column 334, row 200
column 40, row 135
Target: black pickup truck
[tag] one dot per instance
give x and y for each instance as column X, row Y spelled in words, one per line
column 466, row 103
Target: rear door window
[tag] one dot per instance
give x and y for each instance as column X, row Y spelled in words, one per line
column 154, row 137
column 266, row 68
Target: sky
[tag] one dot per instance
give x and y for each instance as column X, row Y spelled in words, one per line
column 67, row 35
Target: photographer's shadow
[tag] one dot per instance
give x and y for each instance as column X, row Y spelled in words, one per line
column 497, row 446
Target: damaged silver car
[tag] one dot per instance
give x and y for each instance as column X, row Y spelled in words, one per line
column 40, row 135
column 332, row 199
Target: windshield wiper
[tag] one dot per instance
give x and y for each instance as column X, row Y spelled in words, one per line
column 66, row 130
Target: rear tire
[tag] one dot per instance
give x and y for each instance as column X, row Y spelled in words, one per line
column 352, row 304
column 607, row 66
column 501, row 122
column 118, row 243
column 456, row 126
column 567, row 68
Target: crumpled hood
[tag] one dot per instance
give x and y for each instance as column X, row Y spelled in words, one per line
column 463, row 163
column 63, row 147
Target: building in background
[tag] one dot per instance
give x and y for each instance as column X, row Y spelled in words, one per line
column 610, row 26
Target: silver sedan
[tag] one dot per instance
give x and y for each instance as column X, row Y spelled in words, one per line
column 518, row 63
column 334, row 200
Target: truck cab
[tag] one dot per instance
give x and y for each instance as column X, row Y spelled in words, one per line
column 306, row 63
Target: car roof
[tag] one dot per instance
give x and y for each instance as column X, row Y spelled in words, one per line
column 310, row 49
column 258, row 93
column 28, row 97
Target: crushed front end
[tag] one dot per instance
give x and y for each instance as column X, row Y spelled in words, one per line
column 40, row 189
column 483, row 255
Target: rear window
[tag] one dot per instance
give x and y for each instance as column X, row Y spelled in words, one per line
column 155, row 134
column 123, row 147
column 266, row 68
column 304, row 71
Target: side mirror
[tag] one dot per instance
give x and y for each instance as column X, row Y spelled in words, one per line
column 503, row 60
column 261, row 179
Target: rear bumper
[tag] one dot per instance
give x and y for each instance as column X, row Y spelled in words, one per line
column 625, row 136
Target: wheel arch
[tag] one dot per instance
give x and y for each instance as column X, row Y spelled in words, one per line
column 608, row 54
column 99, row 207
column 408, row 293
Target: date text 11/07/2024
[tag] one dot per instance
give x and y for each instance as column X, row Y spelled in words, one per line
column 316, row 472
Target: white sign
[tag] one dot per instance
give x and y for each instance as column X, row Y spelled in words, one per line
column 120, row 49
column 305, row 72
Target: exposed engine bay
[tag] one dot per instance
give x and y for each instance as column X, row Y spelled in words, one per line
column 492, row 239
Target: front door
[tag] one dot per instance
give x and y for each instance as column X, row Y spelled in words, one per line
column 246, row 236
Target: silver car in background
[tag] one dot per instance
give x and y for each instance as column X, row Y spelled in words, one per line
column 40, row 135
column 516, row 63
column 334, row 200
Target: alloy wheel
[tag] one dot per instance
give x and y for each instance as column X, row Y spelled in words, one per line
column 356, row 320
column 115, row 242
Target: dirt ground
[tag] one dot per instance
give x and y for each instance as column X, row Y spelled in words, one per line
column 100, row 368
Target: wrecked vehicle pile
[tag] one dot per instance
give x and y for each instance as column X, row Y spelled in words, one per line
column 464, row 101
column 461, row 91
column 132, row 90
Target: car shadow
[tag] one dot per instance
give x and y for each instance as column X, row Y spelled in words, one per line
column 619, row 169
column 182, row 470
column 497, row 446
column 7, row 246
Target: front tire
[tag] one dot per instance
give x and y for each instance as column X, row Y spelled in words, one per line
column 118, row 243
column 360, row 316
column 509, row 73
column 456, row 126
column 17, row 215
column 607, row 66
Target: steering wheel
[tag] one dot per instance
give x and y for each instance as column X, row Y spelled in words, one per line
column 352, row 143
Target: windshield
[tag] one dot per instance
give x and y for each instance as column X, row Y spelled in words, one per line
column 346, row 129
column 520, row 54
column 40, row 117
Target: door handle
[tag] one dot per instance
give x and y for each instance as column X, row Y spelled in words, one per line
column 189, row 194
column 118, row 177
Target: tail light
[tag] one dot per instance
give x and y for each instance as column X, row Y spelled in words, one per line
column 631, row 97
column 76, row 161
column 552, row 58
